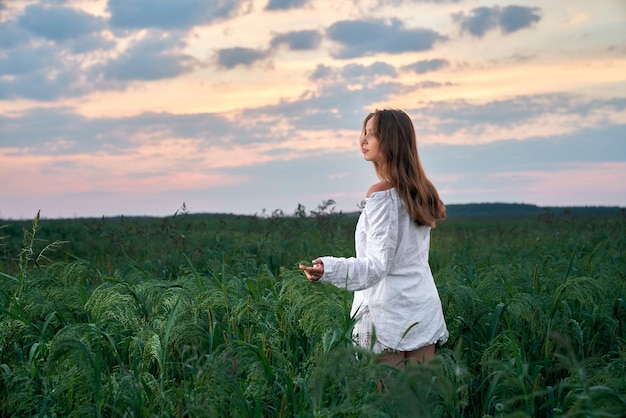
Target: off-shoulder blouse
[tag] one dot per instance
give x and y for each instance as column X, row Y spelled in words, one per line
column 390, row 275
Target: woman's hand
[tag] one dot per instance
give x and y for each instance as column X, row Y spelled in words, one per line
column 313, row 273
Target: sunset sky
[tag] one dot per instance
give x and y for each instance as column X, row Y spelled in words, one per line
column 132, row 107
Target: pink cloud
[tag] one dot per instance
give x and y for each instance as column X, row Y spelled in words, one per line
column 585, row 184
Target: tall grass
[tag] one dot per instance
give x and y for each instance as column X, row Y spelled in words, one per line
column 209, row 316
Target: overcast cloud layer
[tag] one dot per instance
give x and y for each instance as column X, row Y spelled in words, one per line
column 134, row 107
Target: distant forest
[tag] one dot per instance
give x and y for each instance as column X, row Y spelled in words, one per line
column 453, row 211
column 485, row 211
column 519, row 210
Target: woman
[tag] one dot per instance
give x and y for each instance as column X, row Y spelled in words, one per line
column 395, row 297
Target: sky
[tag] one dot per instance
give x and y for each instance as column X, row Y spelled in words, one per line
column 136, row 107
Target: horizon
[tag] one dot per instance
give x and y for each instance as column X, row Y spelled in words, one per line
column 270, row 213
column 112, row 110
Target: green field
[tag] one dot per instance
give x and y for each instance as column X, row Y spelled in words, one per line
column 208, row 315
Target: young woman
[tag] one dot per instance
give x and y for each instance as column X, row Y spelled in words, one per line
column 395, row 298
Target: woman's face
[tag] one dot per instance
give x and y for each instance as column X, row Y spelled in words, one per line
column 369, row 143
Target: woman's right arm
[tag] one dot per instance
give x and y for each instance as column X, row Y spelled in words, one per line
column 363, row 272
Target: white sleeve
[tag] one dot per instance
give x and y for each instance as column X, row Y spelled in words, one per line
column 381, row 232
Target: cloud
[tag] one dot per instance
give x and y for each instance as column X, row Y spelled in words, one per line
column 375, row 6
column 509, row 19
column 70, row 29
column 169, row 14
column 61, row 131
column 335, row 113
column 322, row 72
column 38, row 86
column 298, row 40
column 12, row 35
column 353, row 72
column 400, row 2
column 317, row 180
column 89, row 43
column 340, row 101
column 232, row 57
column 48, row 72
column 514, row 18
column 53, row 69
column 359, row 71
column 73, row 64
column 40, row 72
column 591, row 145
column 459, row 114
column 458, row 171
column 432, row 84
column 285, row 4
column 303, row 40
column 59, row 23
column 480, row 173
column 358, row 38
column 523, row 117
column 157, row 56
column 22, row 61
column 426, row 66
column 229, row 58
column 58, row 131
column 334, row 105
column 568, row 168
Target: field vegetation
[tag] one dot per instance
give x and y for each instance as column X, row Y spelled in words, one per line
column 208, row 315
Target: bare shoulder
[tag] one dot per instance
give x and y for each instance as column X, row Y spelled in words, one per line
column 379, row 187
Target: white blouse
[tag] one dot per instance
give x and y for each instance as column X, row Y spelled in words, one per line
column 391, row 276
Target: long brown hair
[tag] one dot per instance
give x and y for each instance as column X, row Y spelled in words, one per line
column 402, row 166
